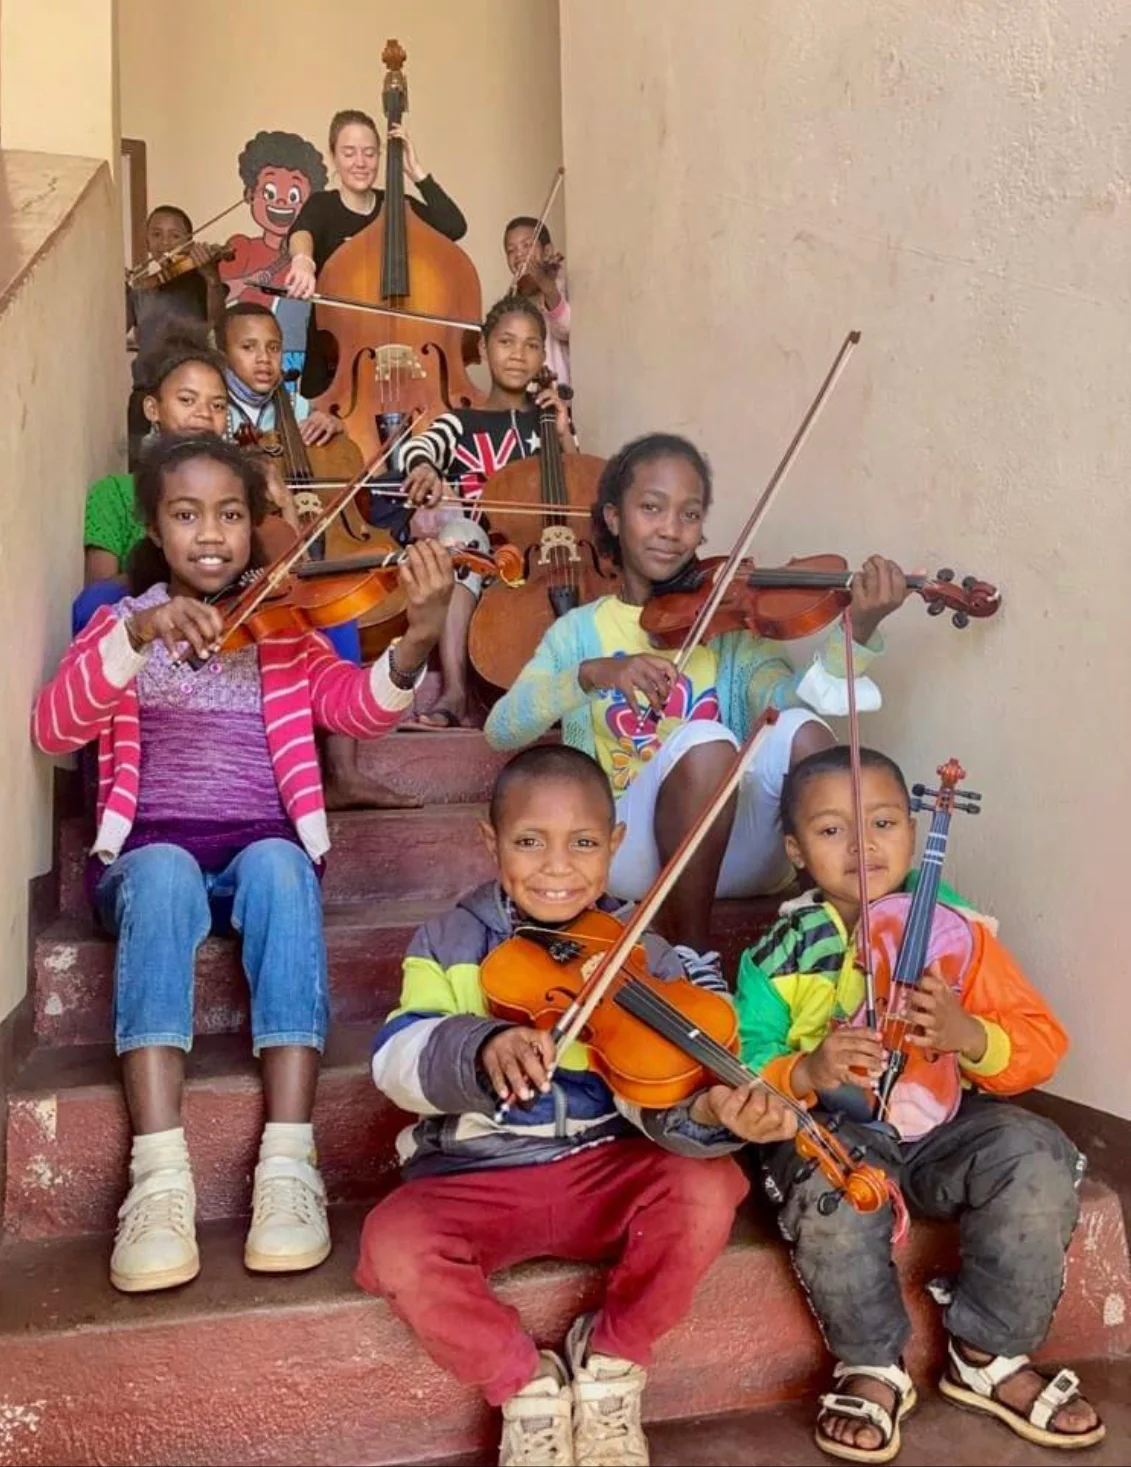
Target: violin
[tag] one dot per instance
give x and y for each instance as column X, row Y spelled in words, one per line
column 521, row 281
column 562, row 570
column 325, row 593
column 902, row 937
column 656, row 1043
column 176, row 264
column 409, row 357
column 794, row 600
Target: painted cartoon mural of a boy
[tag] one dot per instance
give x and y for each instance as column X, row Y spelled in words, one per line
column 279, row 171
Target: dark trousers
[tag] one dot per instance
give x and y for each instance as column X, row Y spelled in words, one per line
column 1007, row 1176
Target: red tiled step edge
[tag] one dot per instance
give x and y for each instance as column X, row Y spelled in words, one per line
column 365, row 941
column 306, row 1370
column 68, row 1138
column 377, row 855
column 449, row 766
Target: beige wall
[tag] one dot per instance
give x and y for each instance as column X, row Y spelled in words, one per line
column 483, row 87
column 63, row 383
column 60, row 93
column 952, row 179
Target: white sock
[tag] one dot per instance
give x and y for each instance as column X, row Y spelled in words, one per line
column 159, row 1151
column 288, row 1138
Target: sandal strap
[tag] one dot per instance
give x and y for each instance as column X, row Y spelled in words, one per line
column 890, row 1375
column 1064, row 1387
column 984, row 1380
column 859, row 1410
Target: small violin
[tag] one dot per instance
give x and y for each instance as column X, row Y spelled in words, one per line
column 794, row 600
column 656, row 1043
column 906, row 935
column 175, row 265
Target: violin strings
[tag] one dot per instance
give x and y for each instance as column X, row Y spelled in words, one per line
column 666, row 1019
column 916, row 936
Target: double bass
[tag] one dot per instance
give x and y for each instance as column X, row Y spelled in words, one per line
column 391, row 365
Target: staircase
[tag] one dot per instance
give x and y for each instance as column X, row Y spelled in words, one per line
column 251, row 1369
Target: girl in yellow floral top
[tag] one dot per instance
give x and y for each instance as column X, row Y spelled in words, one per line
column 596, row 669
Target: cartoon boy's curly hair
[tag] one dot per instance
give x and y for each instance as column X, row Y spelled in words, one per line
column 281, row 150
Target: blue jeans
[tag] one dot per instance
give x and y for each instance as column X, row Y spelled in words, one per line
column 344, row 638
column 161, row 906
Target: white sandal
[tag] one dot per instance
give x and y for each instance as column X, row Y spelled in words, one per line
column 974, row 1390
column 887, row 1423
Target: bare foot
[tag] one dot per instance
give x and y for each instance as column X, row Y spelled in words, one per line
column 850, row 1429
column 355, row 792
column 1021, row 1390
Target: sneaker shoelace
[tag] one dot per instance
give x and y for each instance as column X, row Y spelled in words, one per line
column 612, row 1417
column 287, row 1198
column 540, row 1442
column 163, row 1211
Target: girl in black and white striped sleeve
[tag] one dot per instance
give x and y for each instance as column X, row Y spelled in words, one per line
column 465, row 449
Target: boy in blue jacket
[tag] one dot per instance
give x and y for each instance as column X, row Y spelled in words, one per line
column 652, row 1192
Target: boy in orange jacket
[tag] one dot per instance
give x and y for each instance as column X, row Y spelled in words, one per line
column 1010, row 1176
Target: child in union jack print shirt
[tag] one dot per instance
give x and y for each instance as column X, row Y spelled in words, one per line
column 463, row 450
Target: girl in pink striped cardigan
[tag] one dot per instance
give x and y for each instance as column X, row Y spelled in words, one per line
column 211, row 816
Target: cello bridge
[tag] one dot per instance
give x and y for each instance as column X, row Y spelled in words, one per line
column 392, row 363
column 557, row 537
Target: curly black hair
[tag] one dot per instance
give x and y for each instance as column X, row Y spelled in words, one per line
column 182, row 341
column 281, row 150
column 618, row 472
column 165, row 454
column 513, row 305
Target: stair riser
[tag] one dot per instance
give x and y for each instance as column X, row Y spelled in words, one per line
column 75, row 980
column 433, row 853
column 347, row 1384
column 68, row 1153
column 440, row 769
column 75, row 984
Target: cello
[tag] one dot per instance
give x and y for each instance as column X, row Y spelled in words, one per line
column 562, row 569
column 390, row 365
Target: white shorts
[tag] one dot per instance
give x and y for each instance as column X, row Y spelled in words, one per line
column 755, row 862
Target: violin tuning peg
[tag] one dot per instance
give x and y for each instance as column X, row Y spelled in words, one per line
column 969, row 582
column 918, row 789
column 946, row 574
column 935, row 608
column 833, row 1123
column 968, row 794
column 827, row 1203
column 805, row 1171
column 960, row 619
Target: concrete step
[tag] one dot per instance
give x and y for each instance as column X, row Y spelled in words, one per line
column 74, row 967
column 238, row 1368
column 74, row 972
column 377, row 855
column 68, row 1137
column 446, row 767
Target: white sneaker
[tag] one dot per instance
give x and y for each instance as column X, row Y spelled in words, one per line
column 155, row 1246
column 537, row 1430
column 289, row 1231
column 704, row 969
column 606, row 1404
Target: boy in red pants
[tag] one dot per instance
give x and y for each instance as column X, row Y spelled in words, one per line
column 572, row 1172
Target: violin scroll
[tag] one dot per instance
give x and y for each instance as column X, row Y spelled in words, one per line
column 970, row 598
column 948, row 797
